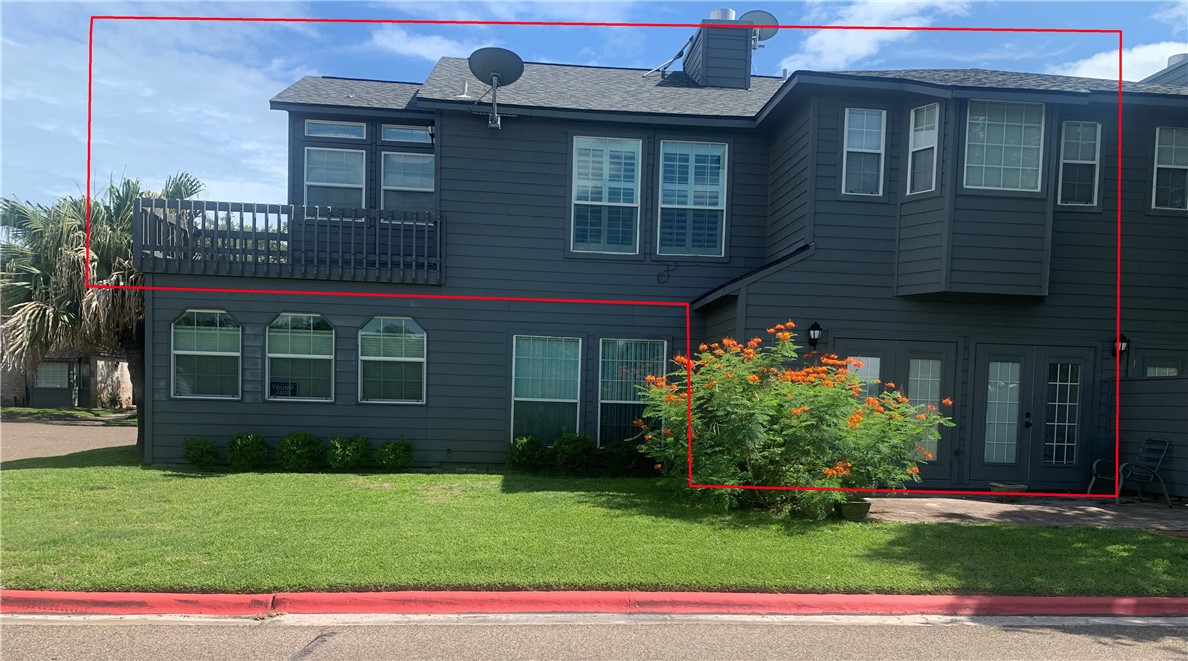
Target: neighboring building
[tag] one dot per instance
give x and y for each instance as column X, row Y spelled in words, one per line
column 67, row 379
column 953, row 228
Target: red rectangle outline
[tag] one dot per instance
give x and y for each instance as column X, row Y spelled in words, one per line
column 685, row 305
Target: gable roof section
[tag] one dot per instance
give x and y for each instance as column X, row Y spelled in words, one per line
column 349, row 93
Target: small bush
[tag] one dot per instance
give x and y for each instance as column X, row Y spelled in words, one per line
column 349, row 453
column 527, row 453
column 395, row 455
column 625, row 458
column 573, row 452
column 301, row 451
column 246, row 451
column 200, row 452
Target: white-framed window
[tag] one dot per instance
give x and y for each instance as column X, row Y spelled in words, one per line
column 1171, row 168
column 623, row 367
column 392, row 361
column 923, row 386
column 922, row 148
column 206, row 346
column 1003, row 145
column 1080, row 148
column 300, row 350
column 868, row 374
column 1162, row 370
column 862, row 167
column 334, row 177
column 401, row 133
column 546, row 386
column 606, row 175
column 320, row 128
column 407, row 181
column 692, row 198
column 52, row 375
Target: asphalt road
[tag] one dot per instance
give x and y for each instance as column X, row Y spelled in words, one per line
column 529, row 637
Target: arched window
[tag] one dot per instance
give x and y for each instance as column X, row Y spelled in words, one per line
column 206, row 349
column 392, row 361
column 300, row 358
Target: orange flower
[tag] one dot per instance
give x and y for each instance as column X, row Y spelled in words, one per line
column 755, row 342
column 890, row 384
column 927, row 455
column 638, row 423
column 753, row 378
column 828, row 383
column 947, row 402
column 719, row 352
column 648, row 437
column 658, row 466
column 931, row 407
column 666, row 431
column 729, row 375
column 671, row 398
column 871, row 401
column 711, row 384
column 922, row 416
column 789, row 325
column 895, row 416
column 771, row 330
column 784, row 336
column 702, row 347
column 913, row 470
column 748, row 354
column 779, row 327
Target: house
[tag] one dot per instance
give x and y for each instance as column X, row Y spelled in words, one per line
column 68, row 379
column 954, row 229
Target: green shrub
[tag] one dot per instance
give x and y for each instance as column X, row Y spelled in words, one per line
column 573, row 452
column 246, row 451
column 301, row 451
column 625, row 458
column 527, row 453
column 200, row 452
column 349, row 453
column 395, row 455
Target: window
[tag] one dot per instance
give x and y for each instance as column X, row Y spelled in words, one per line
column 1002, row 145
column 300, row 358
column 868, row 374
column 1171, row 168
column 545, row 388
column 624, row 364
column 862, row 171
column 692, row 198
column 1079, row 149
column 206, row 348
column 51, row 375
column 334, row 177
column 1162, row 370
column 923, row 387
column 407, row 134
column 1063, row 403
column 349, row 130
column 392, row 361
column 407, row 181
column 606, row 195
column 922, row 149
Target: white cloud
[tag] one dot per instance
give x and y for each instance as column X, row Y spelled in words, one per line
column 591, row 11
column 1138, row 62
column 1175, row 14
column 397, row 39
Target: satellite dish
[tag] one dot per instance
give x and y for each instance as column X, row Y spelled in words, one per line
column 760, row 17
column 495, row 67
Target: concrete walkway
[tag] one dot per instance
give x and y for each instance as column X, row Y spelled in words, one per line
column 1147, row 515
column 25, row 439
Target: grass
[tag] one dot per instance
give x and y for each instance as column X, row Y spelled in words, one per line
column 97, row 521
column 28, row 413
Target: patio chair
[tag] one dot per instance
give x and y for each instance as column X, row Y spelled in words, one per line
column 1144, row 468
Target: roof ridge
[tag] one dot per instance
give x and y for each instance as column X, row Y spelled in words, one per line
column 594, row 66
column 370, row 80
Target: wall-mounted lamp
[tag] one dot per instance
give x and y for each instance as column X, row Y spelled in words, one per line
column 1120, row 345
column 814, row 334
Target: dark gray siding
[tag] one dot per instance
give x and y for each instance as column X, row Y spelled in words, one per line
column 923, row 232
column 720, row 57
column 1157, row 408
column 721, row 318
column 790, row 199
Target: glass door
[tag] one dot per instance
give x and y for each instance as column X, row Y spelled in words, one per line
column 1003, row 413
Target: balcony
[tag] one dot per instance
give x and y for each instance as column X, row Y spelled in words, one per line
column 287, row 241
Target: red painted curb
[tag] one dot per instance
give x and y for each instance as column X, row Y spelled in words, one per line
column 132, row 603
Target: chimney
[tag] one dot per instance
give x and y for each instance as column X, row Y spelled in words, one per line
column 720, row 56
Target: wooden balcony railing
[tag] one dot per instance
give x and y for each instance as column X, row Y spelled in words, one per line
column 287, row 241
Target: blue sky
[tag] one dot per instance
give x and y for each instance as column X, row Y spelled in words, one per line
column 194, row 96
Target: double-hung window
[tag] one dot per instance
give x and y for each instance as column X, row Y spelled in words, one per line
column 546, row 384
column 625, row 364
column 862, row 171
column 52, row 375
column 606, row 195
column 206, row 351
column 334, row 177
column 1079, row 151
column 300, row 358
column 922, row 150
column 1003, row 144
column 339, row 130
column 1171, row 168
column 692, row 198
column 392, row 361
column 407, row 181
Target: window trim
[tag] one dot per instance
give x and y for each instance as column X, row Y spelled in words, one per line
column 423, row 360
column 306, row 183
column 338, row 123
column 428, row 128
column 36, row 375
column 912, row 149
column 173, row 353
column 573, row 202
column 511, row 427
column 601, row 401
column 1096, row 164
column 1155, row 171
column 882, row 152
column 1039, row 182
column 268, row 356
column 660, row 206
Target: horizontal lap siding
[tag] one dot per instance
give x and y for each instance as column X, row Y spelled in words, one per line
column 1157, row 408
column 790, row 184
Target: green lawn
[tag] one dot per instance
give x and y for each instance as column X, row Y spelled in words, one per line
column 28, row 413
column 97, row 521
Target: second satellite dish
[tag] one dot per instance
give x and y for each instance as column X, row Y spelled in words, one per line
column 495, row 67
column 766, row 19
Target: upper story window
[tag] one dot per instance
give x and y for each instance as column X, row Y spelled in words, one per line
column 324, row 129
column 1002, row 145
column 407, row 181
column 392, row 361
column 334, row 177
column 1171, row 168
column 606, row 195
column 692, row 198
column 862, row 171
column 922, row 149
column 300, row 358
column 1079, row 151
column 51, row 375
column 397, row 133
column 206, row 351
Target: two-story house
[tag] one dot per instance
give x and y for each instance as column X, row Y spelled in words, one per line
column 955, row 229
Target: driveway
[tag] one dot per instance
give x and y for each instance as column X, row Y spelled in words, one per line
column 25, row 439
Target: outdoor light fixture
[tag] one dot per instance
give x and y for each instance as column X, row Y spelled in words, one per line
column 814, row 333
column 1121, row 345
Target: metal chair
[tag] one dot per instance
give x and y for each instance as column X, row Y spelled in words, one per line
column 1143, row 468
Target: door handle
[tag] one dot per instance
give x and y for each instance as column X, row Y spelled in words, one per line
column 1027, row 420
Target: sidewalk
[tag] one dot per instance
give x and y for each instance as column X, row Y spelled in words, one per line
column 1037, row 511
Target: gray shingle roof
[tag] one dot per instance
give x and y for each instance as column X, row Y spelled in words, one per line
column 982, row 78
column 349, row 92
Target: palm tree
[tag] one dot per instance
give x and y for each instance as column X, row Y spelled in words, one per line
column 45, row 304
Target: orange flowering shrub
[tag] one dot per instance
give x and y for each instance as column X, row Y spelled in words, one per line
column 762, row 416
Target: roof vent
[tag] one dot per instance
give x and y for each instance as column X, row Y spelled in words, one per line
column 1176, row 59
column 724, row 14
